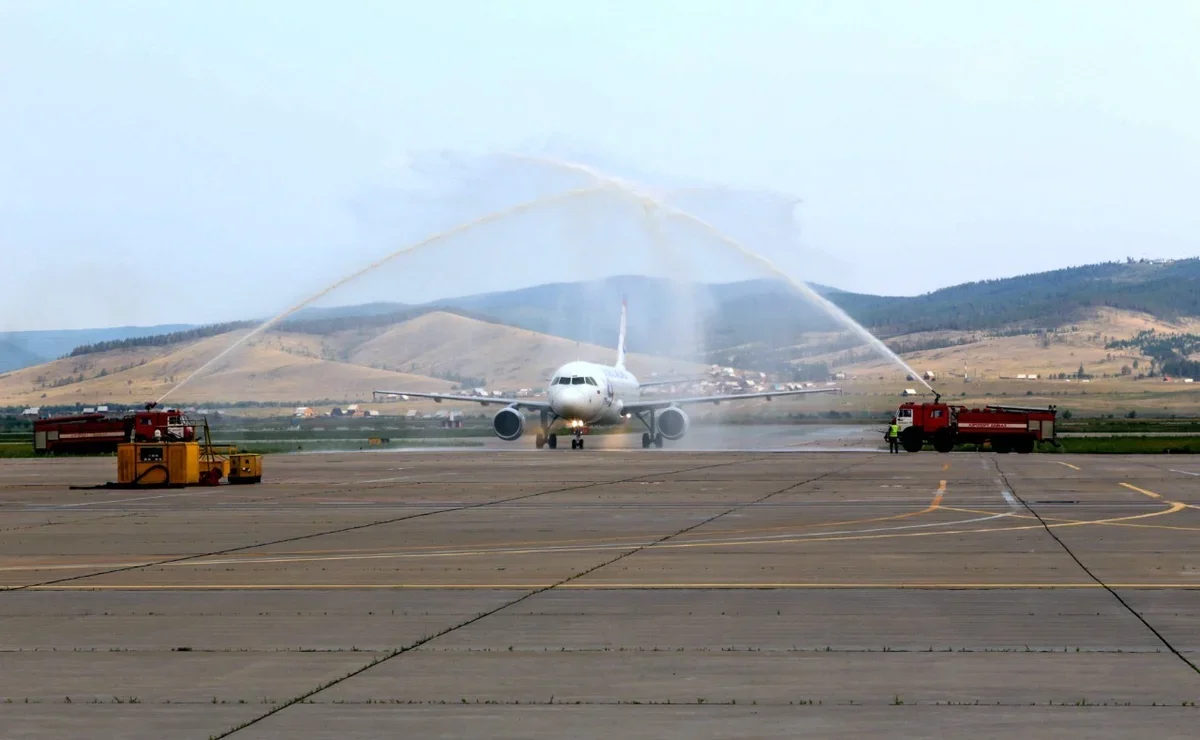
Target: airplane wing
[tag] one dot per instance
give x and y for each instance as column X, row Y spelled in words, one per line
column 481, row 400
column 662, row 403
column 672, row 381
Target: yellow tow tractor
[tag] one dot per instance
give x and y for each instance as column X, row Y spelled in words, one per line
column 171, row 462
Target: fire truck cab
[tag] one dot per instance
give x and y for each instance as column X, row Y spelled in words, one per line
column 170, row 424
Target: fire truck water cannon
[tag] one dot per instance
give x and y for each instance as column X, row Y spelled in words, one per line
column 1005, row 428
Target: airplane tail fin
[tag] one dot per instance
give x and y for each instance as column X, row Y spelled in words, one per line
column 621, row 337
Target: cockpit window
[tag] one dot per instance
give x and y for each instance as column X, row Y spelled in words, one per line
column 564, row 380
column 590, row 381
column 577, row 380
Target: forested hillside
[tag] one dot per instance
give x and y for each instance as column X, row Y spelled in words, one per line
column 1165, row 289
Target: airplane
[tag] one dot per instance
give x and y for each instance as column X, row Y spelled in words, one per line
column 582, row 395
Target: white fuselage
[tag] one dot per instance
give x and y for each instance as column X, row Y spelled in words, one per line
column 588, row 394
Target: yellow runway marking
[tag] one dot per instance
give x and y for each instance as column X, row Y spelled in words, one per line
column 599, row 586
column 1069, row 465
column 1151, row 494
column 946, row 466
column 831, row 537
column 630, row 540
column 1174, row 506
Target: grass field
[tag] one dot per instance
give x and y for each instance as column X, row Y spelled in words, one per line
column 1132, row 445
column 1125, row 445
column 16, row 449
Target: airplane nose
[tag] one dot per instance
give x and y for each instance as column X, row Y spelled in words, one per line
column 573, row 403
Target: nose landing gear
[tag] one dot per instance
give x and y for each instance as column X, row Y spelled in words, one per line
column 545, row 438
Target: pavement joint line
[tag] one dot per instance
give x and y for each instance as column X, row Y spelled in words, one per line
column 355, row 527
column 616, row 586
column 853, row 535
column 1110, row 589
column 530, row 594
column 581, row 545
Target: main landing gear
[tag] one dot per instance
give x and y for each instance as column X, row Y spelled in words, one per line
column 652, row 436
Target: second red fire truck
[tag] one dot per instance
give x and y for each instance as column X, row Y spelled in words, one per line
column 1006, row 428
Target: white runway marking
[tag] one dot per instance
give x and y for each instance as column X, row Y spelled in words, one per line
column 1012, row 500
column 115, row 501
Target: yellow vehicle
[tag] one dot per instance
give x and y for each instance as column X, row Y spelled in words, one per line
column 244, row 468
column 177, row 463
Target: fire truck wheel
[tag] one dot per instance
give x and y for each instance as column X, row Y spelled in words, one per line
column 943, row 441
column 1001, row 446
column 910, row 440
column 1024, row 446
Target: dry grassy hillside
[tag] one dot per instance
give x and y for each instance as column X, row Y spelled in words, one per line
column 348, row 365
column 995, row 357
column 439, row 343
column 345, row 366
column 273, row 367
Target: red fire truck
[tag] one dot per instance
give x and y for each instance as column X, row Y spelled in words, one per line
column 97, row 432
column 1007, row 428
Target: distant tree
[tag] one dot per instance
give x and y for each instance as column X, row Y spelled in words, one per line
column 1135, row 364
column 1080, row 373
column 1066, row 414
column 1131, row 415
column 1126, row 370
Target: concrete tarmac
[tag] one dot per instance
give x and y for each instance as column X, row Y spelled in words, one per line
column 607, row 593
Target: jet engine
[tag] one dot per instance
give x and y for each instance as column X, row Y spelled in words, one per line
column 508, row 423
column 673, row 423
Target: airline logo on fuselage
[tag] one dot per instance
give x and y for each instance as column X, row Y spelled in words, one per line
column 612, row 372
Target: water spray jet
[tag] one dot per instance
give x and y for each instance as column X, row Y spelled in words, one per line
column 435, row 238
column 649, row 202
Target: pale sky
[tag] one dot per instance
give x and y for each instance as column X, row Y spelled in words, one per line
column 188, row 161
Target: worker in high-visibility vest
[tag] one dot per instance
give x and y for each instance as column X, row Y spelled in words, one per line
column 893, row 436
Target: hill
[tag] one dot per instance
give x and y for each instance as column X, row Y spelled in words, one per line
column 270, row 368
column 442, row 344
column 1167, row 289
column 14, row 356
column 22, row 348
column 1118, row 320
column 431, row 351
column 774, row 313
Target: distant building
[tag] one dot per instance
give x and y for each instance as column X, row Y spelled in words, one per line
column 32, row 411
